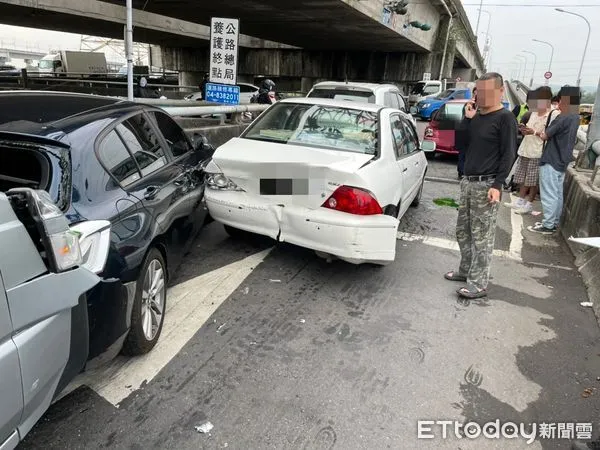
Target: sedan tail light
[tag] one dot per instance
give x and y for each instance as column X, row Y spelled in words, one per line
column 94, row 242
column 60, row 244
column 354, row 201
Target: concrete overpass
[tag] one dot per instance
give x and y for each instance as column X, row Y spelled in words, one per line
column 330, row 33
column 8, row 53
column 91, row 17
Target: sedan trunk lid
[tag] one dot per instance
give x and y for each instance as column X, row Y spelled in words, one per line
column 286, row 173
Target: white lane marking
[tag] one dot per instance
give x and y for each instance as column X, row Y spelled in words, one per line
column 189, row 305
column 549, row 266
column 446, row 243
column 516, row 238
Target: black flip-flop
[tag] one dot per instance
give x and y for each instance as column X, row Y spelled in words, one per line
column 471, row 294
column 453, row 276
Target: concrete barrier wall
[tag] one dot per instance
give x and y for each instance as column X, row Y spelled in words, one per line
column 581, row 218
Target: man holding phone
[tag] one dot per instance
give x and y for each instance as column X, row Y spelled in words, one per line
column 490, row 131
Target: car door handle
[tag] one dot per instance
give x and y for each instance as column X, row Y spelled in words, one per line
column 151, row 192
column 180, row 180
column 405, row 169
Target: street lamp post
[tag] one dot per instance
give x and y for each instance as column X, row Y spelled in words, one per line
column 551, row 52
column 546, row 80
column 524, row 65
column 586, row 42
column 518, row 68
column 534, row 63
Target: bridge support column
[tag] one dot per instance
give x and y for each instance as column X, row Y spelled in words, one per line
column 306, row 84
column 310, row 66
column 191, row 78
column 437, row 71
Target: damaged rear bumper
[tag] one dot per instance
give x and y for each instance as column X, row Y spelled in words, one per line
column 352, row 238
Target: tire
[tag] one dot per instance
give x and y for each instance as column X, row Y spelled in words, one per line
column 391, row 211
column 417, row 198
column 235, row 233
column 139, row 341
column 431, row 115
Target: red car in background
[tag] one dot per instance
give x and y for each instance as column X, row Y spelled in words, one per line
column 441, row 129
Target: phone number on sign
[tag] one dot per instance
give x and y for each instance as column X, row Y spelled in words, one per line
column 223, row 95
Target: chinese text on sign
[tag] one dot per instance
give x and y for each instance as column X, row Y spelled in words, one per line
column 224, row 38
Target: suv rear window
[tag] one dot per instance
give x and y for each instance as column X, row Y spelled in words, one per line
column 344, row 94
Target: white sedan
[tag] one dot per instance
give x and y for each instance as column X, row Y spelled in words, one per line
column 327, row 175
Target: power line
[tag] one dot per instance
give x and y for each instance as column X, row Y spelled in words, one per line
column 538, row 5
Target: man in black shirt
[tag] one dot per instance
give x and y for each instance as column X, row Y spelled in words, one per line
column 490, row 133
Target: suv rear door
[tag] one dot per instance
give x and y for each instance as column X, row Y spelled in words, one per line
column 11, row 390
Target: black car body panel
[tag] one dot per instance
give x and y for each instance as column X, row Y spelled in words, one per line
column 152, row 199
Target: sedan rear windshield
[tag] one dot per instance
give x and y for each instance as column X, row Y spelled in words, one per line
column 336, row 128
column 344, row 94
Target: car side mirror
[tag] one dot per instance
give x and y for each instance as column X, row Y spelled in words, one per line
column 428, row 146
column 202, row 146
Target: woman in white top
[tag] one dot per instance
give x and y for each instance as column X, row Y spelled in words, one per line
column 530, row 150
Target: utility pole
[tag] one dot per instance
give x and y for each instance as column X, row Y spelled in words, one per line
column 129, row 49
column 478, row 19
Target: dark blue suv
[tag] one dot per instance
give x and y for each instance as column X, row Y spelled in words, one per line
column 102, row 158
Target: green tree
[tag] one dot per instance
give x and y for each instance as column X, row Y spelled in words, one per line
column 588, row 97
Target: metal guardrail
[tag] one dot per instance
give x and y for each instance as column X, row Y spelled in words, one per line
column 176, row 108
column 520, row 87
column 106, row 80
column 512, row 96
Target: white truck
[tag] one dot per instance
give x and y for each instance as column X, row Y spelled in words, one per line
column 422, row 90
column 67, row 62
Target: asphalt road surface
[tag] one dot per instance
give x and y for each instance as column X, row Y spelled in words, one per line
column 277, row 348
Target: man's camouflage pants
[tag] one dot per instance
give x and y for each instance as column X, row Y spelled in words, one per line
column 476, row 231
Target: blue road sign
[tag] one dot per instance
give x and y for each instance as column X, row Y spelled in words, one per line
column 223, row 93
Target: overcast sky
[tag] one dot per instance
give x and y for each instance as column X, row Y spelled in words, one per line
column 513, row 25
column 512, row 29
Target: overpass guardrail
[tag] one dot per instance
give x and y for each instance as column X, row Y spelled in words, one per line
column 181, row 108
